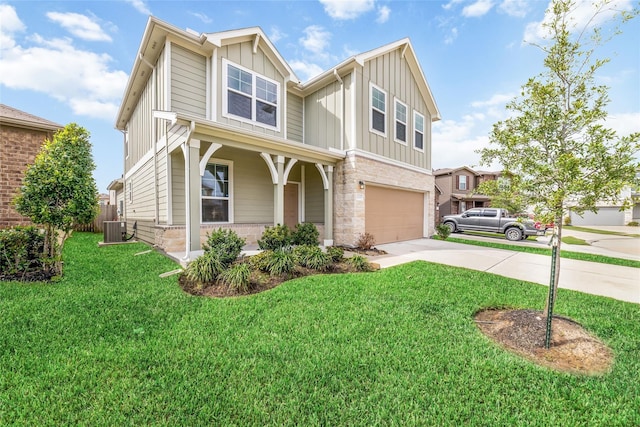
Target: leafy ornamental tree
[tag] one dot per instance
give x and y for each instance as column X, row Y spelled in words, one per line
column 58, row 190
column 555, row 146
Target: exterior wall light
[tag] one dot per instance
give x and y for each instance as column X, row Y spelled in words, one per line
column 361, row 185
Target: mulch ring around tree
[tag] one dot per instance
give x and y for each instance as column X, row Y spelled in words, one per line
column 572, row 348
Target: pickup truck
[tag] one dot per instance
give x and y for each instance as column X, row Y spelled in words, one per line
column 493, row 220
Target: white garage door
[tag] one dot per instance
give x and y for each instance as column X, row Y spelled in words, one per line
column 393, row 215
column 604, row 216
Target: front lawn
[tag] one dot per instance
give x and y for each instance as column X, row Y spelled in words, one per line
column 112, row 343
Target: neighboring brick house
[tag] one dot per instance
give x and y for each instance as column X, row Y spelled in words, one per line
column 219, row 132
column 21, row 137
column 458, row 187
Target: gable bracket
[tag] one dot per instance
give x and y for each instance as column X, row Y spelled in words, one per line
column 323, row 174
column 205, row 159
column 272, row 168
column 255, row 43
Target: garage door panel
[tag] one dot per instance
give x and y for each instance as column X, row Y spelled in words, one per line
column 604, row 216
column 393, row 215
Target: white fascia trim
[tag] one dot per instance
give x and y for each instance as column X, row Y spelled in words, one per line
column 361, row 153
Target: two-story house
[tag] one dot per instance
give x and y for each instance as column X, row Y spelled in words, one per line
column 219, row 132
column 458, row 189
column 21, row 138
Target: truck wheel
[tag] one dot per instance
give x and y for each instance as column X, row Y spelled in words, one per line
column 513, row 234
column 451, row 225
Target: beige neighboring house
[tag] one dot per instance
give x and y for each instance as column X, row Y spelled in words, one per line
column 219, row 132
column 457, row 187
column 21, row 138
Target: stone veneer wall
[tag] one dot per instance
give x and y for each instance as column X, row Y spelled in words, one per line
column 349, row 198
column 172, row 238
column 18, row 148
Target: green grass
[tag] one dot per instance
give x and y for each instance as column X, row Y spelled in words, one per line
column 112, row 343
column 598, row 231
column 544, row 251
column 570, row 240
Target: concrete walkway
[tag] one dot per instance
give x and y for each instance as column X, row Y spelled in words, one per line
column 622, row 283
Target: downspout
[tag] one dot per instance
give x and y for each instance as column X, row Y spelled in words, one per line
column 124, row 175
column 187, row 195
column 154, row 140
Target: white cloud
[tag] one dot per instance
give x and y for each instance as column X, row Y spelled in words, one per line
column 452, row 36
column 140, row 6
column 276, row 34
column 202, row 16
column 316, row 39
column 582, row 16
column 82, row 79
column 454, row 143
column 305, row 70
column 451, row 4
column 383, row 15
column 517, row 8
column 624, row 123
column 80, row 26
column 496, row 100
column 479, row 8
column 10, row 24
column 347, row 9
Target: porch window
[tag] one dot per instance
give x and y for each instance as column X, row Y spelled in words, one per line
column 418, row 125
column 401, row 122
column 251, row 97
column 215, row 193
column 378, row 110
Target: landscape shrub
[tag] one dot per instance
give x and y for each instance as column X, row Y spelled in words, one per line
column 633, row 223
column 279, row 262
column 21, row 251
column 443, row 231
column 306, row 234
column 205, row 268
column 365, row 241
column 259, row 260
column 335, row 253
column 226, row 244
column 359, row 263
column 236, row 277
column 276, row 237
column 312, row 257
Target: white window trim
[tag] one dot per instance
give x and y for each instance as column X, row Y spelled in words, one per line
column 371, row 108
column 424, row 125
column 395, row 122
column 225, row 96
column 466, row 184
column 228, row 163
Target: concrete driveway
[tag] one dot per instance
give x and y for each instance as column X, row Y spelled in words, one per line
column 622, row 283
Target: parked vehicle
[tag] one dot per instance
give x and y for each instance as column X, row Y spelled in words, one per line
column 493, row 220
column 548, row 226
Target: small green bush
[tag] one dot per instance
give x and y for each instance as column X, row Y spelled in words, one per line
column 205, row 268
column 237, row 277
column 335, row 253
column 259, row 261
column 633, row 223
column 276, row 237
column 359, row 263
column 306, row 234
column 443, row 231
column 226, row 244
column 21, row 251
column 312, row 257
column 280, row 262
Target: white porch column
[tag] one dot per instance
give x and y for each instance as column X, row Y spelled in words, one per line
column 278, row 193
column 191, row 150
column 328, row 208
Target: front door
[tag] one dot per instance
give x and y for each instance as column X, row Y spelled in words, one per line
column 291, row 216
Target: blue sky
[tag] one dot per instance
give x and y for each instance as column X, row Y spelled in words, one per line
column 68, row 61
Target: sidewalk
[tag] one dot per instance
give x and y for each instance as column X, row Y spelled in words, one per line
column 622, row 283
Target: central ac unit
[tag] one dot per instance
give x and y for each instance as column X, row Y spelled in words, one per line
column 114, row 231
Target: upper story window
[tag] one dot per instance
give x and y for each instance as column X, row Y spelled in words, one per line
column 462, row 182
column 250, row 96
column 418, row 130
column 378, row 110
column 401, row 122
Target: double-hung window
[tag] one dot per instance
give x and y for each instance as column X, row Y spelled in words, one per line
column 401, row 122
column 215, row 193
column 378, row 110
column 251, row 97
column 418, row 131
column 462, row 182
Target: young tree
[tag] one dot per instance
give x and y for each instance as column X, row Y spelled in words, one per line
column 58, row 190
column 555, row 146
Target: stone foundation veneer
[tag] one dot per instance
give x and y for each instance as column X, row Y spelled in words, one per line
column 349, row 198
column 172, row 238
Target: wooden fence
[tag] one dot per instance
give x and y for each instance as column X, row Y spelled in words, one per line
column 107, row 213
